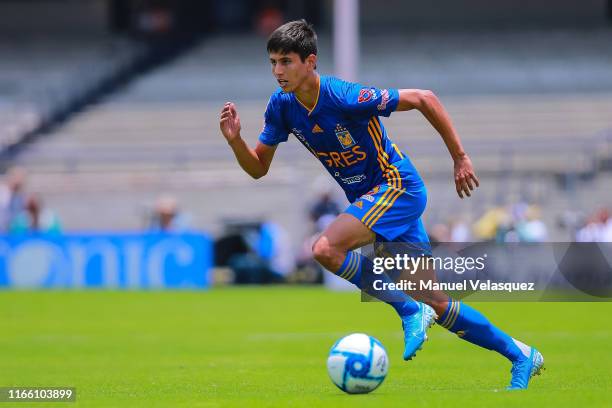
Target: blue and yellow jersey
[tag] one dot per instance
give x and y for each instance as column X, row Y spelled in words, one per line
column 343, row 131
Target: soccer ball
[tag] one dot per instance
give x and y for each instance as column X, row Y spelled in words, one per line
column 357, row 363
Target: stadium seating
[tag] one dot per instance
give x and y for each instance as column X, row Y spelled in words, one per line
column 525, row 123
column 44, row 77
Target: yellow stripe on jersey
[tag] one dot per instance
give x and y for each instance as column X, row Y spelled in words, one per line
column 389, row 171
column 380, row 133
column 382, row 160
column 397, row 150
column 379, row 157
column 377, row 142
column 393, row 168
column 378, row 127
column 389, row 167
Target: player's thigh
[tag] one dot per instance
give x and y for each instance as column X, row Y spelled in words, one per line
column 346, row 232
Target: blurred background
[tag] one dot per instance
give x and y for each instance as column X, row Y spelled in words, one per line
column 115, row 172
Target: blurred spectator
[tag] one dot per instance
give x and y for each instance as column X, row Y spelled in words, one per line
column 34, row 218
column 455, row 230
column 606, row 235
column 597, row 228
column 167, row 217
column 12, row 196
column 268, row 20
column 257, row 252
column 323, row 211
column 491, row 223
column 275, row 247
column 439, row 233
column 155, row 17
column 460, row 231
column 520, row 222
column 531, row 228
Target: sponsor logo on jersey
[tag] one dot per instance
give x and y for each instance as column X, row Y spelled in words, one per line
column 365, row 95
column 358, row 204
column 317, row 129
column 353, row 179
column 298, row 133
column 384, row 99
column 346, row 158
column 344, row 137
column 368, row 197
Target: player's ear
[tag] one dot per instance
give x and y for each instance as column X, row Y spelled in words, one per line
column 311, row 60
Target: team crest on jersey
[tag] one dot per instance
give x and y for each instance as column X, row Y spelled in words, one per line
column 344, row 137
column 365, row 95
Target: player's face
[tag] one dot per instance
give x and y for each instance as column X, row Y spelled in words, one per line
column 289, row 69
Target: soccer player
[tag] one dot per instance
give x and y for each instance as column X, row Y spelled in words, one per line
column 338, row 122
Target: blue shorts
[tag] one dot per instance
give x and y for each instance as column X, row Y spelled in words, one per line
column 394, row 211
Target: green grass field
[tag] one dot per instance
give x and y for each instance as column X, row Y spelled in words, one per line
column 251, row 347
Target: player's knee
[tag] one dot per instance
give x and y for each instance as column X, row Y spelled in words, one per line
column 321, row 250
column 324, row 253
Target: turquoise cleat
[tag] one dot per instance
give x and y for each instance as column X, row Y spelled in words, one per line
column 524, row 369
column 415, row 327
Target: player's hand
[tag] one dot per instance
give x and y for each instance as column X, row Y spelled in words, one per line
column 465, row 178
column 230, row 122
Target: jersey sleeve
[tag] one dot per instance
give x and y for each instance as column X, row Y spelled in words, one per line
column 364, row 100
column 274, row 130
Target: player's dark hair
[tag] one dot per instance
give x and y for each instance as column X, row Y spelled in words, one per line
column 295, row 36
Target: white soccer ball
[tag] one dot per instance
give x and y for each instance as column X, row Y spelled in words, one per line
column 357, row 363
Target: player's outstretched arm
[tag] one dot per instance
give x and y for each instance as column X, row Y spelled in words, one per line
column 256, row 162
column 430, row 106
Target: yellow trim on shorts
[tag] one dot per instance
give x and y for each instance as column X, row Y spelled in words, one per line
column 385, row 207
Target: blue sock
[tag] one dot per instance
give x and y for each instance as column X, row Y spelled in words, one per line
column 351, row 270
column 471, row 325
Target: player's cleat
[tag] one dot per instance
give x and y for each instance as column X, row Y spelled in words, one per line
column 524, row 369
column 415, row 329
